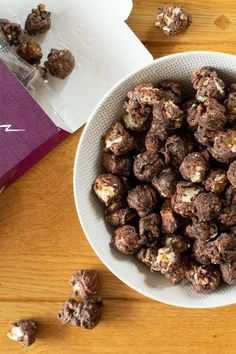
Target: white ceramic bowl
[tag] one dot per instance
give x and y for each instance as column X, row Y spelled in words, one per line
column 87, row 168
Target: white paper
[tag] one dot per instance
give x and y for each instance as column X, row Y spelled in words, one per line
column 105, row 49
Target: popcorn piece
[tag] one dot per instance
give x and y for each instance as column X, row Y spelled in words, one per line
column 149, row 229
column 118, row 165
column 183, row 200
column 88, row 313
column 147, row 165
column 230, row 104
column 127, row 240
column 60, row 63
column 118, row 140
column 216, row 181
column 144, row 94
column 226, row 244
column 169, row 263
column 204, row 136
column 30, row 51
column 228, row 271
column 228, row 215
column 177, row 276
column 208, row 84
column 143, row 199
column 169, row 221
column 67, row 311
column 230, row 196
column 224, row 149
column 223, row 249
column 201, row 230
column 165, row 183
column 172, row 19
column 109, row 188
column 231, row 173
column 152, row 140
column 13, row 32
column 38, row 21
column 201, row 252
column 137, row 117
column 168, row 259
column 85, row 283
column 23, row 332
column 147, row 256
column 177, row 148
column 157, row 134
column 193, row 110
column 147, row 95
column 194, row 167
column 214, row 118
column 207, row 206
column 115, row 205
column 168, row 114
column 139, row 107
column 170, row 90
column 203, row 277
column 120, row 217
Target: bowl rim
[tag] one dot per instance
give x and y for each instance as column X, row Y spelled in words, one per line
column 75, row 169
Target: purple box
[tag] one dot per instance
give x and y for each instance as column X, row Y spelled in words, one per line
column 26, row 131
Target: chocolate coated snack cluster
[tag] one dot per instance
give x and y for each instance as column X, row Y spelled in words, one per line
column 12, row 32
column 85, row 313
column 60, row 63
column 169, row 181
column 30, row 51
column 172, row 19
column 23, row 332
column 38, row 21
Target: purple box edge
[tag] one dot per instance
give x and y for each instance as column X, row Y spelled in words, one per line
column 22, row 148
column 32, row 159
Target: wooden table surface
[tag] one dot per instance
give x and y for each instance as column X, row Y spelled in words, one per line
column 42, row 242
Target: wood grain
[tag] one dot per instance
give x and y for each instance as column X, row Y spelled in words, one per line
column 42, row 242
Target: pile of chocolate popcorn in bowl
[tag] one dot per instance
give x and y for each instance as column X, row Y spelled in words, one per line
column 169, row 180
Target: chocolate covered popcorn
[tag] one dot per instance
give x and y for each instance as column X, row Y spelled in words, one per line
column 172, row 19
column 23, row 332
column 208, row 84
column 30, row 51
column 203, row 277
column 38, row 21
column 143, row 199
column 109, row 188
column 126, row 239
column 60, row 63
column 12, row 32
column 85, row 307
column 149, row 229
column 169, row 190
column 118, row 140
column 85, row 283
column 148, row 164
column 194, row 167
column 85, row 314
